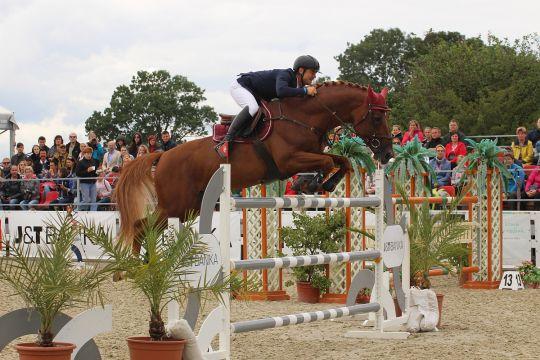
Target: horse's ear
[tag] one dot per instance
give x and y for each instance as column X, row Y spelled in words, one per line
column 370, row 91
column 384, row 92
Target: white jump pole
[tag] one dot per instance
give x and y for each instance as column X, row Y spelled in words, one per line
column 225, row 231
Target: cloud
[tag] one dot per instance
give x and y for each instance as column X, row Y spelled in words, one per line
column 61, row 60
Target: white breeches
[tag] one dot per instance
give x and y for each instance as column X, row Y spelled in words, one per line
column 244, row 98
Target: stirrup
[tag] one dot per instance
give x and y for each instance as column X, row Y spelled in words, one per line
column 222, row 149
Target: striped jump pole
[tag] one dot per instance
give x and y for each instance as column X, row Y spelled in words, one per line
column 274, row 322
column 303, row 202
column 308, row 260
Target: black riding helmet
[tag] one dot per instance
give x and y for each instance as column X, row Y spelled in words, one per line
column 307, row 62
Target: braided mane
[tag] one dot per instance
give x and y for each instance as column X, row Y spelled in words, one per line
column 340, row 83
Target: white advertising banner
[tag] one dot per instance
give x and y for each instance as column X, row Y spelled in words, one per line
column 35, row 228
column 516, row 238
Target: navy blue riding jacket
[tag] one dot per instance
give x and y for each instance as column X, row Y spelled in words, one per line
column 271, row 84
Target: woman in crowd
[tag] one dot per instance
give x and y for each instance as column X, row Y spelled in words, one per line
column 104, row 192
column 143, row 150
column 58, row 140
column 455, row 148
column 120, row 141
column 81, row 155
column 152, row 144
column 532, row 189
column 134, row 147
column 22, row 167
column 414, row 131
column 34, row 156
column 86, row 170
column 29, row 189
column 522, row 148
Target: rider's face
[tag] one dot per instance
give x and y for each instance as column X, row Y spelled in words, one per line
column 308, row 76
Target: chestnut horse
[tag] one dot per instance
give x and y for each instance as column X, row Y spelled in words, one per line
column 295, row 144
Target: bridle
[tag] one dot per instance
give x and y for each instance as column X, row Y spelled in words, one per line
column 373, row 141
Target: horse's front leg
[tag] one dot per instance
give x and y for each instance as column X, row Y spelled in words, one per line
column 305, row 161
column 334, row 179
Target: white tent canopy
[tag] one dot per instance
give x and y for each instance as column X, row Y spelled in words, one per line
column 7, row 123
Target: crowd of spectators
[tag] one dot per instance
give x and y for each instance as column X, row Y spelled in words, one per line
column 81, row 173
column 522, row 159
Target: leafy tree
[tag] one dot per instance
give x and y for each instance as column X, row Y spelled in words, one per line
column 153, row 102
column 489, row 89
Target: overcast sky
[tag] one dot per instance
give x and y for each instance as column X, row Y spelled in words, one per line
column 61, row 60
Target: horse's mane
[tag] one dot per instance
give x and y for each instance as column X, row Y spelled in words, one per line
column 340, row 83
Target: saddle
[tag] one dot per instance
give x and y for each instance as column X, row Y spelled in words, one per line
column 260, row 128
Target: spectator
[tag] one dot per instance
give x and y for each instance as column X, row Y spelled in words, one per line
column 120, row 141
column 166, row 142
column 97, row 148
column 126, row 159
column 522, row 148
column 43, row 164
column 514, row 185
column 70, row 166
column 67, row 190
column 19, row 156
column 29, row 189
column 124, row 152
column 112, row 177
column 457, row 174
column 532, row 188
column 455, row 148
column 58, row 140
column 11, row 188
column 82, row 146
column 442, row 167
column 22, row 167
column 73, row 147
column 86, row 169
column 435, row 139
column 42, row 145
column 52, row 172
column 61, row 155
column 453, row 128
column 396, row 141
column 534, row 135
column 104, row 192
column 289, row 191
column 427, row 134
column 143, row 150
column 415, row 131
column 396, row 132
column 152, row 144
column 134, row 146
column 34, row 156
column 112, row 157
column 6, row 167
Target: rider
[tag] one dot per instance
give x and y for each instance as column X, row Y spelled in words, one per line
column 250, row 87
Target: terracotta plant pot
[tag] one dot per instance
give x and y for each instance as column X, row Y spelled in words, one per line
column 32, row 351
column 307, row 293
column 144, row 348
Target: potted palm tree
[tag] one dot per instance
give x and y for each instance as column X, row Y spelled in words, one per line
column 311, row 236
column 434, row 240
column 160, row 272
column 357, row 152
column 49, row 282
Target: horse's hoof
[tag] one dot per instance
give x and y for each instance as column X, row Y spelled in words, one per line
column 329, row 186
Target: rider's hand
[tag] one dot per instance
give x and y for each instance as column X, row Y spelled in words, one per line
column 311, row 90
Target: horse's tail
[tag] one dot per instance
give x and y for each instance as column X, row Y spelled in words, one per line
column 135, row 194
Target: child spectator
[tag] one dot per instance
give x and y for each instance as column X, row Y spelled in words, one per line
column 514, row 185
column 396, row 132
column 166, row 142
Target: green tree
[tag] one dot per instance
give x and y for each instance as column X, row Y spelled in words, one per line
column 153, row 102
column 490, row 89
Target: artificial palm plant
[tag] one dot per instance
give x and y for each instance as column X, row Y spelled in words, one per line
column 482, row 156
column 48, row 280
column 411, row 160
column 160, row 271
column 433, row 237
column 354, row 149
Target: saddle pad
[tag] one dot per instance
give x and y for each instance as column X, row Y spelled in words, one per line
column 264, row 129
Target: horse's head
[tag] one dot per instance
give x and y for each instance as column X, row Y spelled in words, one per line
column 370, row 124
